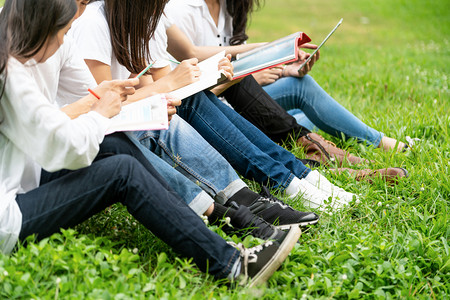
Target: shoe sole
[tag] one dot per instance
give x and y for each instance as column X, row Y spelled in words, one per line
column 278, row 258
column 303, row 224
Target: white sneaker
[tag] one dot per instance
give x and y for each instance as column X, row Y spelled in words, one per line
column 340, row 196
column 314, row 198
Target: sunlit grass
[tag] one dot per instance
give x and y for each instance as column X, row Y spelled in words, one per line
column 389, row 64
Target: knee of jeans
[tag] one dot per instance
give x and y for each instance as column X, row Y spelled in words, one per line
column 119, row 163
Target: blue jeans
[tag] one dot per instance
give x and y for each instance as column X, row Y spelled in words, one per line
column 245, row 147
column 67, row 198
column 322, row 110
column 185, row 150
column 192, row 194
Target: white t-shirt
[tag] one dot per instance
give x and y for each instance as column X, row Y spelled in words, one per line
column 158, row 44
column 194, row 19
column 64, row 78
column 92, row 36
column 35, row 132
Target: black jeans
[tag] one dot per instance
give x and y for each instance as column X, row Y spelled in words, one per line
column 250, row 100
column 122, row 174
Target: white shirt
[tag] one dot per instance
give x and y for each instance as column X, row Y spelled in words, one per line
column 92, row 36
column 194, row 19
column 33, row 131
column 64, row 78
column 158, row 44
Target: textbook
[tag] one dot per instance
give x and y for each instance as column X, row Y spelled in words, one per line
column 281, row 51
column 146, row 114
column 211, row 76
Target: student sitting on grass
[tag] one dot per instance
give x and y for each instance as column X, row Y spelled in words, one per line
column 169, row 38
column 64, row 78
column 84, row 180
column 223, row 23
column 105, row 49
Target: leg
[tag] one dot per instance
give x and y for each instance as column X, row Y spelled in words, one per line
column 302, row 119
column 246, row 148
column 255, row 105
column 197, row 199
column 327, row 114
column 185, row 149
column 61, row 203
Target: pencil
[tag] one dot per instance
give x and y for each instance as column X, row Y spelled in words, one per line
column 174, row 61
column 144, row 71
column 94, row 94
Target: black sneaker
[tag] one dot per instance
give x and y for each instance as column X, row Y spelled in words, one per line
column 260, row 262
column 245, row 223
column 276, row 212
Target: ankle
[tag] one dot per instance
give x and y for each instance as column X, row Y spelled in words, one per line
column 388, row 144
column 219, row 212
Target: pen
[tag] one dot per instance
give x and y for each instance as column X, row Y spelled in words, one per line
column 145, row 70
column 94, row 94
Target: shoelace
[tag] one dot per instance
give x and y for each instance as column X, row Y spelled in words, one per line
column 275, row 201
column 249, row 255
column 265, row 194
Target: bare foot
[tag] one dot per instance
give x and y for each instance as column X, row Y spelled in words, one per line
column 388, row 144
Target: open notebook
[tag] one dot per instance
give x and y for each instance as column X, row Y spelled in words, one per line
column 281, row 51
column 146, row 114
column 211, row 76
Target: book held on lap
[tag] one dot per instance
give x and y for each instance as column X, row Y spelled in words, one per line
column 211, row 75
column 281, row 51
column 146, row 114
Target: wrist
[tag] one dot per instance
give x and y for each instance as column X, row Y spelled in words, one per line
column 283, row 72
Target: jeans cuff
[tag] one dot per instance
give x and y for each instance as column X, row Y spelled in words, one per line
column 377, row 142
column 201, row 203
column 227, row 270
column 233, row 188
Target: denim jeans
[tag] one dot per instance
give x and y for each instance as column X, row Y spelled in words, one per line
column 185, row 150
column 245, row 147
column 250, row 100
column 302, row 119
column 67, row 198
column 192, row 194
column 320, row 108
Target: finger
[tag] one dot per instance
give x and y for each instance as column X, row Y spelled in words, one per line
column 308, row 46
column 171, row 111
column 128, row 91
column 171, row 100
column 129, row 82
column 191, row 61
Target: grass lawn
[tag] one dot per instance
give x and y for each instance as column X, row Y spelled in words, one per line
column 389, row 64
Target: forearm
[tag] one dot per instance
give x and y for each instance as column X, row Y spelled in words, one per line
column 204, row 52
column 82, row 106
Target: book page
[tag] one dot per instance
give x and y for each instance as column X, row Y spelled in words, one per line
column 146, row 114
column 281, row 51
column 210, row 77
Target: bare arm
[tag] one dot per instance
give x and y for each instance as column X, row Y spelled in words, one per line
column 186, row 73
column 180, row 47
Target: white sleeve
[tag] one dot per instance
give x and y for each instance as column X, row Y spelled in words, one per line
column 42, row 131
column 91, row 34
column 75, row 77
column 158, row 45
column 184, row 17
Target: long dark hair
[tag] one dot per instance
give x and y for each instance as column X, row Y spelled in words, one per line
column 241, row 11
column 132, row 24
column 25, row 26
